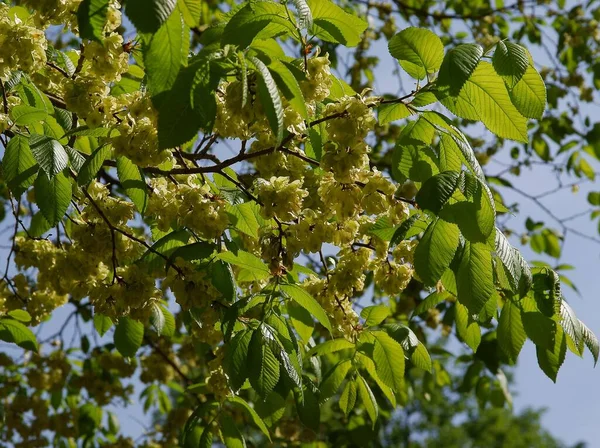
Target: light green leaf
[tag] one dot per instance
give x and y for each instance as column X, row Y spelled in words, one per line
column 301, row 320
column 591, row 341
column 91, row 19
column 232, row 437
column 572, row 328
column 511, row 332
column 466, row 327
column 368, row 399
column 19, row 167
column 170, row 325
column 368, row 364
column 289, row 86
column 20, row 315
column 49, row 154
column 148, row 16
column 330, row 346
column 263, row 367
column 165, row 52
column 529, row 94
column 157, row 318
column 374, row 315
column 348, row 397
column 128, row 336
column 24, row 115
column 253, row 415
column 53, row 196
column 244, row 218
column 271, row 409
column 436, row 250
column 388, row 113
column 474, row 277
column 334, row 379
column 270, row 98
column 430, row 301
column 436, row 191
column 423, row 98
column 389, row 359
column 510, row 61
column 133, row 181
column 191, row 11
column 304, row 14
column 251, row 263
column 550, row 360
column 458, row 66
column 306, row 301
column 92, row 165
column 332, row 24
column 418, row 50
column 13, row 331
column 102, row 323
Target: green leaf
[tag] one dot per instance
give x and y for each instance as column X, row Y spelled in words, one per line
column 334, row 379
column 165, row 52
column 102, row 323
column 332, row 24
column 255, row 417
column 270, row 99
column 170, row 325
column 263, row 367
column 388, row 113
column 221, row 277
column 289, row 86
column 24, row 115
column 157, row 318
column 251, row 263
column 307, row 406
column 271, row 409
column 485, row 95
column 458, row 66
column 19, row 167
column 540, row 328
column 232, row 437
column 53, row 196
column 13, row 331
column 90, row 168
column 550, row 360
column 529, row 94
column 511, row 332
column 128, row 336
column 437, row 190
column 591, row 341
column 258, row 20
column 236, row 356
column 306, row 301
column 206, row 439
column 330, row 346
column 348, row 397
column 418, row 50
column 166, row 246
column 49, row 154
column 148, row 16
column 301, row 320
column 510, row 61
column 572, row 328
column 133, row 181
column 304, row 14
column 423, row 98
column 474, row 277
column 191, row 10
column 20, row 315
column 368, row 399
column 374, row 315
column 389, row 359
column 466, row 327
column 436, row 250
column 91, row 19
column 431, row 301
column 244, row 218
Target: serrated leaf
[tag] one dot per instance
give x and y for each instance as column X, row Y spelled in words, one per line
column 206, row 439
column 458, row 66
column 251, row 263
column 332, row 24
column 368, row 399
column 306, row 301
column 418, row 50
column 102, row 323
column 436, row 250
column 389, row 359
column 307, row 405
column 170, row 325
column 13, row 331
column 474, row 277
column 591, row 341
column 437, row 190
column 91, row 19
column 148, row 16
column 529, row 94
column 270, row 98
column 368, row 364
column 271, row 409
column 387, row 113
column 510, row 61
column 221, row 277
column 330, row 346
column 90, row 168
column 255, row 417
column 304, row 14
column 133, row 181
column 301, row 320
column 191, row 10
column 166, row 51
column 550, row 360
column 24, row 115
column 166, row 246
column 348, row 397
column 244, row 218
column 334, row 379
column 19, row 167
column 466, row 327
column 263, row 368
column 49, row 154
column 157, row 318
column 511, row 332
column 374, row 315
column 539, row 328
column 76, row 159
column 53, row 196
column 232, row 437
column 289, row 86
column 128, row 336
column 572, row 328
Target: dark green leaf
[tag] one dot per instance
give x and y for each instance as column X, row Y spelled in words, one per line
column 49, row 154
column 91, row 18
column 148, row 16
column 133, row 181
column 53, row 196
column 436, row 250
column 18, row 165
column 128, row 337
